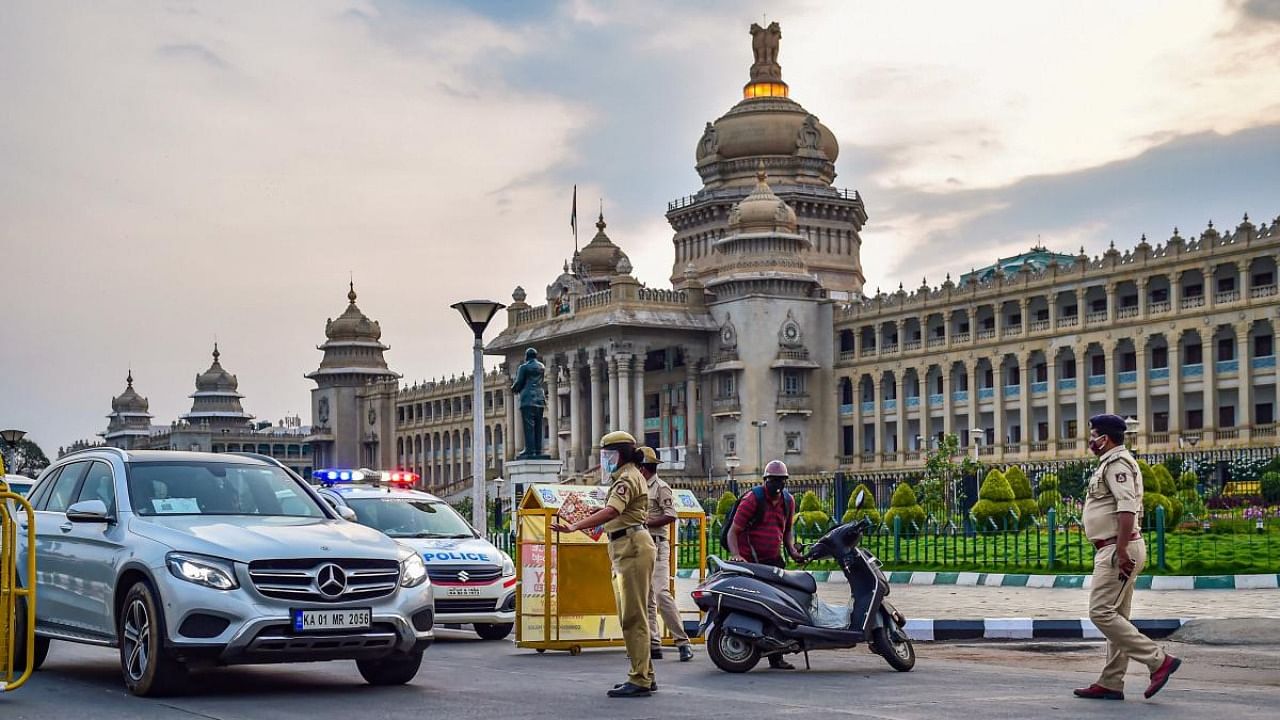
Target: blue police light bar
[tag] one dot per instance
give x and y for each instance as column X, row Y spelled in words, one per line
column 333, row 476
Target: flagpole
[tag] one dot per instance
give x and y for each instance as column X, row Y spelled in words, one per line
column 573, row 219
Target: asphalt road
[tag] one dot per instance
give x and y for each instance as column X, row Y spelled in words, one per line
column 465, row 678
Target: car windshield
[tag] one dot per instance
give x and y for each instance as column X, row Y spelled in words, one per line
column 408, row 518
column 217, row 488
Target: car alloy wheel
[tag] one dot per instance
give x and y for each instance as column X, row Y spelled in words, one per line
column 137, row 636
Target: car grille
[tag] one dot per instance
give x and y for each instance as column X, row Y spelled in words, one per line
column 465, row 606
column 474, row 574
column 313, row 579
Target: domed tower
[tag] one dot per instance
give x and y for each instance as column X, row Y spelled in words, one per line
column 349, row 413
column 799, row 153
column 129, row 424
column 216, row 402
column 597, row 262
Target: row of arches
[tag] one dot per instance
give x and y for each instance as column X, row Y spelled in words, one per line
column 442, row 457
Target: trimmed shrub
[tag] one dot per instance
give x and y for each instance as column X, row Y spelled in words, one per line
column 995, row 507
column 725, row 504
column 867, row 509
column 1049, row 496
column 1157, row 491
column 811, row 523
column 1188, row 481
column 1165, row 479
column 1271, row 487
column 1023, row 501
column 809, row 502
column 905, row 505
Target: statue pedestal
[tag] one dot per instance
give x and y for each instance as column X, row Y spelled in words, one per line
column 528, row 472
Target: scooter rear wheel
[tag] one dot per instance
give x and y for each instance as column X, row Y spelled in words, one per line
column 895, row 647
column 731, row 653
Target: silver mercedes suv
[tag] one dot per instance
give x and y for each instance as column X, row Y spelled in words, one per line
column 184, row 559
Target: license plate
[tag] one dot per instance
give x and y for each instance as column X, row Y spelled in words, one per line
column 311, row 620
column 462, row 592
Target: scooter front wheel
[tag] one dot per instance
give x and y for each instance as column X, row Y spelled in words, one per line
column 895, row 647
column 731, row 653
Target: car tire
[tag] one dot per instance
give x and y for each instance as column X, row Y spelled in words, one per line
column 20, row 642
column 394, row 670
column 493, row 631
column 148, row 668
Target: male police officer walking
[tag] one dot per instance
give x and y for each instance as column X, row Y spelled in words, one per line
column 1112, row 515
column 631, row 550
column 662, row 513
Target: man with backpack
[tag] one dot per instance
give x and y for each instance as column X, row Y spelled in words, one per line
column 758, row 528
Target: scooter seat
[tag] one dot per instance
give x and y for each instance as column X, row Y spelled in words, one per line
column 797, row 579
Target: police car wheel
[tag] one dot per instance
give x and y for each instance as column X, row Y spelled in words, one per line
column 393, row 670
column 493, row 631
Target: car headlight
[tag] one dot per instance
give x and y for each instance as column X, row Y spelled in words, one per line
column 508, row 567
column 203, row 570
column 413, row 571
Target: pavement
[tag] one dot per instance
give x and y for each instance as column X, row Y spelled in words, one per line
column 463, row 678
column 959, row 602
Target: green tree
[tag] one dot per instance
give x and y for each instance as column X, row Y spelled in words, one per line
column 866, row 509
column 905, row 505
column 1156, row 480
column 995, row 509
column 1271, row 487
column 725, row 504
column 23, row 458
column 942, row 467
column 1049, row 496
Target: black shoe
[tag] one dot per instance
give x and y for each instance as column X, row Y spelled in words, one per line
column 652, row 688
column 686, row 653
column 629, row 690
column 655, row 654
column 777, row 663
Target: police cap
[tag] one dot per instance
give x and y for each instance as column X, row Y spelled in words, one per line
column 1112, row 426
column 617, row 437
column 650, row 457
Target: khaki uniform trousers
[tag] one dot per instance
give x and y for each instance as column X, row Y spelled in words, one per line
column 661, row 599
column 633, row 559
column 1110, row 602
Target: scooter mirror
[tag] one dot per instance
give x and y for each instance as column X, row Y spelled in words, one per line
column 857, row 500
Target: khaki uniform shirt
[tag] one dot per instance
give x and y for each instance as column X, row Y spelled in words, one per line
column 1116, row 486
column 661, row 504
column 629, row 495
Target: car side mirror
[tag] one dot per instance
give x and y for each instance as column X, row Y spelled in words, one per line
column 347, row 513
column 89, row 511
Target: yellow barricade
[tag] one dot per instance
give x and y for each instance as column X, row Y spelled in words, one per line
column 17, row 599
column 566, row 599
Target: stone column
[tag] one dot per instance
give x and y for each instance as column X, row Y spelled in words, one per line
column 1025, row 310
column 624, row 418
column 1112, row 304
column 1242, row 270
column 974, row 414
column 973, row 325
column 1082, row 393
column 1144, row 300
column 575, row 413
column 1175, row 291
column 1144, row 397
column 1024, row 378
column 1053, row 310
column 922, row 376
column 1244, row 416
column 597, row 389
column 948, row 411
column 1051, row 360
column 553, row 408
column 611, row 370
column 856, row 449
column 637, row 402
column 1175, row 388
column 1210, row 288
column 690, row 407
column 997, row 403
column 1209, row 359
column 877, row 398
column 997, row 310
column 1081, row 310
column 1112, row 370
column 902, row 411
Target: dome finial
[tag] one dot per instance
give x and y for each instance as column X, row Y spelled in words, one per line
column 351, row 292
column 761, row 175
column 216, row 354
column 128, row 379
column 600, row 224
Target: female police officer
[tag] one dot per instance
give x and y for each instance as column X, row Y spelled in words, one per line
column 632, row 551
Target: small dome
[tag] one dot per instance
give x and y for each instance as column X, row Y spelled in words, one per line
column 352, row 324
column 216, row 378
column 762, row 211
column 129, row 400
column 600, row 257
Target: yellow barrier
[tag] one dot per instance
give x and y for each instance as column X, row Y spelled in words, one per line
column 566, row 599
column 11, row 594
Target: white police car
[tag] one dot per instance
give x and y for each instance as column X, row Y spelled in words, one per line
column 475, row 582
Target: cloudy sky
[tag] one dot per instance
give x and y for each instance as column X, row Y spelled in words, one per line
column 175, row 171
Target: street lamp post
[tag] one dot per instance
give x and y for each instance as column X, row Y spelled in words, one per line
column 1131, row 431
column 12, row 438
column 730, row 463
column 760, row 425
column 477, row 314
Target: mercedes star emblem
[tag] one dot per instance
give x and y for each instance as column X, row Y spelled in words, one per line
column 331, row 580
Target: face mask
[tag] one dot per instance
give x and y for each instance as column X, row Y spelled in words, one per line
column 773, row 486
column 1095, row 446
column 608, row 463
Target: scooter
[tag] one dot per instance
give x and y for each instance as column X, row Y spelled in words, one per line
column 758, row 610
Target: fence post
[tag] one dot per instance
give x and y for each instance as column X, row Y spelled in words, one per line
column 897, row 538
column 1051, row 519
column 1160, row 537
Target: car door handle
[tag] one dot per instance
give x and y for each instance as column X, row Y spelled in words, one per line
column 65, row 527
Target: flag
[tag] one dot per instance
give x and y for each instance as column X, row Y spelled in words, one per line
column 573, row 216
